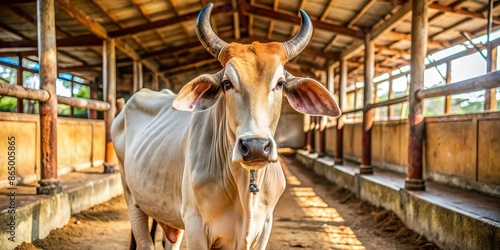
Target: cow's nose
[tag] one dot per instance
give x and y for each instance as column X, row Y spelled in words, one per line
column 255, row 149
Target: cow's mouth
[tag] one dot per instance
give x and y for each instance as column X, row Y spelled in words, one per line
column 251, row 165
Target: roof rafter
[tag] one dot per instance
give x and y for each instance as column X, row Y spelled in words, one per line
column 351, row 23
column 326, row 11
column 98, row 30
column 462, row 12
column 164, row 22
column 13, row 32
column 19, row 12
column 284, row 17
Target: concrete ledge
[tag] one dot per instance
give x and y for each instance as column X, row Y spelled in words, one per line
column 36, row 215
column 452, row 218
column 306, row 158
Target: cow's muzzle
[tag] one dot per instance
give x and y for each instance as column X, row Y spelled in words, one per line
column 256, row 150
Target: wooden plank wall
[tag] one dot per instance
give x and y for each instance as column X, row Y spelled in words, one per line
column 80, row 142
column 459, row 150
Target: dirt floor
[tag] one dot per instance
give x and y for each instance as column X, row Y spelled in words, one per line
column 311, row 214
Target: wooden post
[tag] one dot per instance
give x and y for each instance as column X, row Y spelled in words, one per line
column 109, row 88
column 323, row 120
column 169, row 85
column 155, row 83
column 330, row 79
column 419, row 26
column 390, row 108
column 72, row 109
column 369, row 68
column 135, row 79
column 307, row 125
column 93, row 95
column 138, row 77
column 20, row 106
column 342, row 103
column 447, row 100
column 490, row 102
column 47, row 54
column 313, row 134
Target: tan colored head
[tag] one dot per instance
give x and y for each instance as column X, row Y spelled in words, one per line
column 253, row 82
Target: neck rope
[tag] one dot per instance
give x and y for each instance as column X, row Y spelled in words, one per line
column 253, row 188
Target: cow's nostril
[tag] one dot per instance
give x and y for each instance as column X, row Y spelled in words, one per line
column 267, row 147
column 243, row 148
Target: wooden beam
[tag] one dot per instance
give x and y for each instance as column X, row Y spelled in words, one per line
column 461, row 12
column 201, row 60
column 419, row 27
column 361, row 13
column 451, row 28
column 174, row 50
column 284, row 17
column 392, row 22
column 209, row 67
column 326, row 11
column 165, row 22
column 117, row 23
column 31, row 46
column 29, row 18
column 19, row 12
column 12, row 2
column 486, row 81
column 84, row 103
column 98, row 30
column 351, row 23
column 407, row 37
column 14, row 32
column 174, row 6
column 21, row 92
column 94, row 27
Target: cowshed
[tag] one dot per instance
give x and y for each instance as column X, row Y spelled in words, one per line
column 187, row 160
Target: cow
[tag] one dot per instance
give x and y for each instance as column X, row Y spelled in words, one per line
column 203, row 163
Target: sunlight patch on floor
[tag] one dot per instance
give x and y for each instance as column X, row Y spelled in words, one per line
column 317, row 210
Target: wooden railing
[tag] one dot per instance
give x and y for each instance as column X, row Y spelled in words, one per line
column 43, row 95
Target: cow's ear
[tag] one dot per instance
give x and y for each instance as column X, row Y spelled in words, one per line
column 310, row 97
column 199, row 94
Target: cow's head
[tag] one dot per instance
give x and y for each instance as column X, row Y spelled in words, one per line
column 253, row 82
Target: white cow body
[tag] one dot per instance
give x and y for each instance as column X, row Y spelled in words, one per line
column 177, row 167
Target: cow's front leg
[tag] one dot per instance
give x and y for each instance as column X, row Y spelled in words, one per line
column 195, row 233
column 266, row 232
column 140, row 229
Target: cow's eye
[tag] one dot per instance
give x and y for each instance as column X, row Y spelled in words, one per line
column 280, row 84
column 227, row 85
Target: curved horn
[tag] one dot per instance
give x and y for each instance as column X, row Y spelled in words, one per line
column 206, row 35
column 298, row 43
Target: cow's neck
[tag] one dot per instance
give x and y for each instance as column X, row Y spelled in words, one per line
column 255, row 208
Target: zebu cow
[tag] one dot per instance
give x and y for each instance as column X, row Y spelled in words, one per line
column 191, row 170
